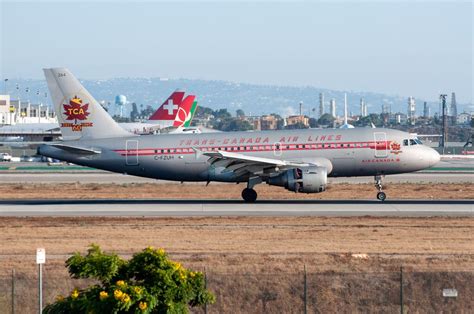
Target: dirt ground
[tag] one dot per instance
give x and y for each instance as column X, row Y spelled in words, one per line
column 255, row 243
column 256, row 264
column 229, row 191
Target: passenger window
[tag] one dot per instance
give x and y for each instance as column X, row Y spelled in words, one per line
column 413, row 142
column 405, row 142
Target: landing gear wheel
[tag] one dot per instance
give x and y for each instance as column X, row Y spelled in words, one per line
column 378, row 185
column 249, row 195
column 381, row 196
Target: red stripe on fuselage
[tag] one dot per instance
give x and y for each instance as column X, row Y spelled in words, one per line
column 255, row 148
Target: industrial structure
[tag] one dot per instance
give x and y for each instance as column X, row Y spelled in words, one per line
column 321, row 104
column 411, row 112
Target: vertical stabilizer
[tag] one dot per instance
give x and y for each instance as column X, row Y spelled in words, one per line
column 166, row 113
column 184, row 113
column 187, row 124
column 80, row 116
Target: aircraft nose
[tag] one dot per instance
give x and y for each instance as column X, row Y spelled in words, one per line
column 433, row 157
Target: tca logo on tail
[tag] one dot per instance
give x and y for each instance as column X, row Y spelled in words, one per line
column 77, row 111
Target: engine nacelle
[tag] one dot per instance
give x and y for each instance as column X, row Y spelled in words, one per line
column 305, row 180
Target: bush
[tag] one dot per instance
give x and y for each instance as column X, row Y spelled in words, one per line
column 147, row 283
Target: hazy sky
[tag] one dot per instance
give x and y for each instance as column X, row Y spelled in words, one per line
column 406, row 48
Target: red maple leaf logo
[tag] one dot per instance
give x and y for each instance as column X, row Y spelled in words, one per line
column 76, row 110
column 395, row 146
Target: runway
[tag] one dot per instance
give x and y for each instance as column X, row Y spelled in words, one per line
column 212, row 208
column 110, row 178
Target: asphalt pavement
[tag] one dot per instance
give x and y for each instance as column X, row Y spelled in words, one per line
column 212, row 208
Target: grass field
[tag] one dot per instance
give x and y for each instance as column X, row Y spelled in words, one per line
column 255, row 264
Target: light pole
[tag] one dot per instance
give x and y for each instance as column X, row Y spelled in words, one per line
column 5, row 85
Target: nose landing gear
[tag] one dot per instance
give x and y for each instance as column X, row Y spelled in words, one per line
column 378, row 184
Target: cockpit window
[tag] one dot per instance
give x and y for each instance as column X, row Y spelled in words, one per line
column 412, row 141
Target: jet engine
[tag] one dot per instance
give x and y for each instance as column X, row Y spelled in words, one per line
column 305, row 180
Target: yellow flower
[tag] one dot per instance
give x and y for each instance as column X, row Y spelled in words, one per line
column 59, row 298
column 176, row 265
column 125, row 298
column 161, row 251
column 118, row 294
column 142, row 305
column 192, row 274
column 120, row 283
column 103, row 295
column 75, row 294
column 137, row 290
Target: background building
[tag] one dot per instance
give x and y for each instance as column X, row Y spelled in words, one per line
column 299, row 119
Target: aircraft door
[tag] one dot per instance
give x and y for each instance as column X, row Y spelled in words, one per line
column 277, row 149
column 380, row 144
column 131, row 157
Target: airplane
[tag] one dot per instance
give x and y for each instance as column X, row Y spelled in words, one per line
column 297, row 160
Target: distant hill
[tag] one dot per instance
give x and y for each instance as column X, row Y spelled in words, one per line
column 253, row 99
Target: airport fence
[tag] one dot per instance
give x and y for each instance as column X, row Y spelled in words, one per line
column 402, row 291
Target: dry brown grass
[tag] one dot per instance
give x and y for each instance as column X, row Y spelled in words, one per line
column 229, row 191
column 255, row 264
column 229, row 243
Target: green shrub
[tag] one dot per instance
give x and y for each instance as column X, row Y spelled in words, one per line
column 148, row 283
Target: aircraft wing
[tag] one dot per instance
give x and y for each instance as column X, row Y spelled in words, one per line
column 243, row 165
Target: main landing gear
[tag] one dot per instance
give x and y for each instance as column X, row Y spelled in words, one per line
column 378, row 184
column 248, row 194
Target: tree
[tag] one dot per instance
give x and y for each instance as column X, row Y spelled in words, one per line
column 147, row 112
column 147, row 283
column 313, row 123
column 239, row 113
column 232, row 124
column 221, row 114
column 203, row 112
column 134, row 112
column 326, row 119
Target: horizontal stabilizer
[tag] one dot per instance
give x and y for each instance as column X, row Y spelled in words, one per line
column 76, row 150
